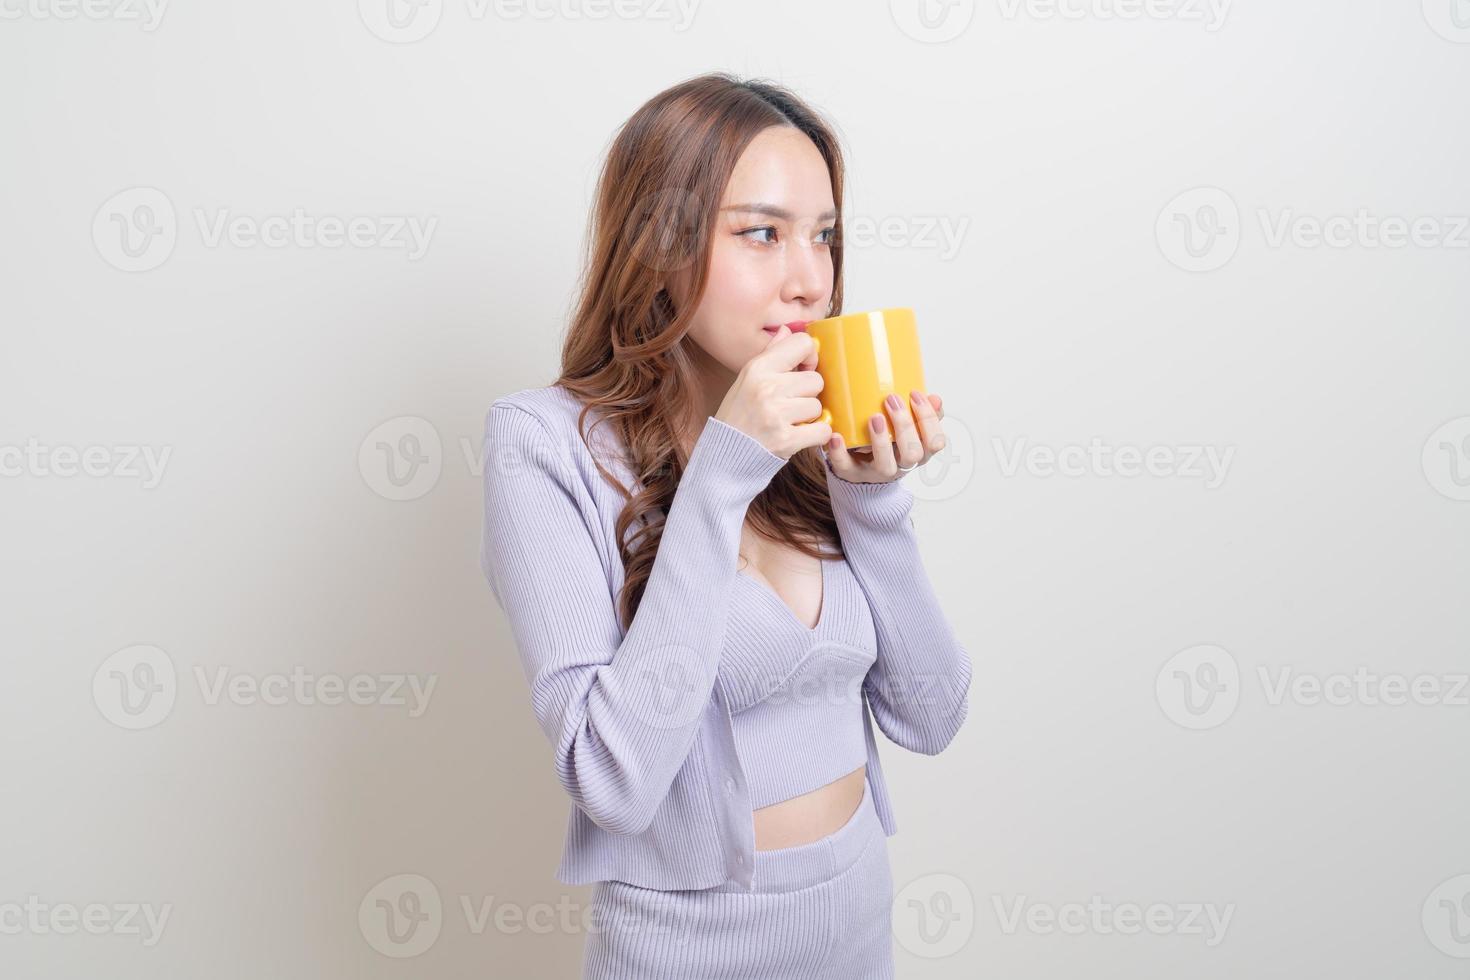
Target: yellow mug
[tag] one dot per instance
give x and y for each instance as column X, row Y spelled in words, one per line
column 862, row 358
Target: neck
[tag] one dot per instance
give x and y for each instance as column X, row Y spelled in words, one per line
column 713, row 381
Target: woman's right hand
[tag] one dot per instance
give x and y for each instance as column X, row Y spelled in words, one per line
column 774, row 397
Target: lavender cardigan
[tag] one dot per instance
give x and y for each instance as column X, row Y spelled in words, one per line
column 640, row 722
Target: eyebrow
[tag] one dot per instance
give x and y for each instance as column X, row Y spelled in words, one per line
column 775, row 211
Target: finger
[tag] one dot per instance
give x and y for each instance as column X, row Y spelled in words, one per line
column 883, row 461
column 802, row 411
column 908, row 446
column 809, row 363
column 840, row 458
column 930, row 432
column 788, row 350
column 796, row 383
column 938, row 404
column 812, row 434
column 850, row 464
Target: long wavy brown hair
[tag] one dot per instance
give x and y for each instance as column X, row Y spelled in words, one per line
column 647, row 261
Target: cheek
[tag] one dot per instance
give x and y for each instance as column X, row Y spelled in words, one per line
column 736, row 300
column 737, row 284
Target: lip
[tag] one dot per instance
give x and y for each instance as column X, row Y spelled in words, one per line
column 795, row 326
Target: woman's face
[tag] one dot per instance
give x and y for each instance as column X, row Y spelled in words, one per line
column 771, row 260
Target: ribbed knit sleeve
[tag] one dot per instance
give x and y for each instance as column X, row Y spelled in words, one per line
column 622, row 711
column 918, row 689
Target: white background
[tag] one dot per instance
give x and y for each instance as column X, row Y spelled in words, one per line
column 1056, row 148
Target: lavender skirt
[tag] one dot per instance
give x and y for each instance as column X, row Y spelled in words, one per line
column 819, row 910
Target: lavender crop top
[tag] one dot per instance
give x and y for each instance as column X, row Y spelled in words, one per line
column 798, row 716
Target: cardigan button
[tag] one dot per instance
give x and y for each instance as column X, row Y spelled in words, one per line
column 730, row 785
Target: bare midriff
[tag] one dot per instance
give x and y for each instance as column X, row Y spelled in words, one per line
column 796, row 579
column 810, row 816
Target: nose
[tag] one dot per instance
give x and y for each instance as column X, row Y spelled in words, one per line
column 808, row 279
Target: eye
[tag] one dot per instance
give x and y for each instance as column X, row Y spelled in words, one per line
column 829, row 232
column 749, row 231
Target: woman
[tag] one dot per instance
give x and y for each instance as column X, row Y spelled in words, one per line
column 710, row 610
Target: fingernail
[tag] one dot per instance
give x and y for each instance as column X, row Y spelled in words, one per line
column 893, row 402
column 878, row 424
column 917, row 396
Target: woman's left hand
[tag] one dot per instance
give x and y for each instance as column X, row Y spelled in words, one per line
column 915, row 445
